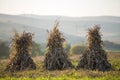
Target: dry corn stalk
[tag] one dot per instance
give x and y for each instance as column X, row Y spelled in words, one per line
column 95, row 57
column 21, row 59
column 56, row 58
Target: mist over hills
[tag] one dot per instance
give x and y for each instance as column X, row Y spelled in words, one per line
column 74, row 29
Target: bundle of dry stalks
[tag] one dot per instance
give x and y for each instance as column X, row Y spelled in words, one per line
column 56, row 58
column 94, row 57
column 22, row 59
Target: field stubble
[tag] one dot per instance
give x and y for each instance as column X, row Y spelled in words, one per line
column 68, row 74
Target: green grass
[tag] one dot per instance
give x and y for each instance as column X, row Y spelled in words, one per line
column 64, row 77
column 69, row 74
column 115, row 64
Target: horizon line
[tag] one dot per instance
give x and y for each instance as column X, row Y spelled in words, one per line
column 59, row 15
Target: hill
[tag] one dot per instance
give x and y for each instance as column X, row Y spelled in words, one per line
column 7, row 29
column 112, row 46
column 73, row 28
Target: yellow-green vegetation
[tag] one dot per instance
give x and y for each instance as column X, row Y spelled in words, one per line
column 68, row 74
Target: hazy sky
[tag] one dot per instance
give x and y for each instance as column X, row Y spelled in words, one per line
column 76, row 8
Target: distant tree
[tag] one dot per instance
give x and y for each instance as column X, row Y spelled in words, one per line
column 67, row 47
column 36, row 49
column 77, row 49
column 4, row 50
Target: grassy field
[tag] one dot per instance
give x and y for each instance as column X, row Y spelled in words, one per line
column 69, row 74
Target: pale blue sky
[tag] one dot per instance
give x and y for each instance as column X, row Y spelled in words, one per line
column 74, row 8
